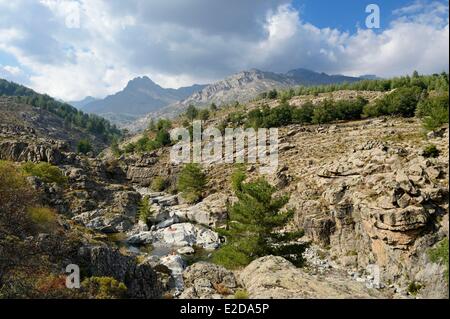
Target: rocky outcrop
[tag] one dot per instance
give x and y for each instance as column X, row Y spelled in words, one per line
column 30, row 152
column 142, row 280
column 273, row 277
column 208, row 281
column 377, row 204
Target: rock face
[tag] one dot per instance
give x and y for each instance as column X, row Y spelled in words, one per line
column 378, row 204
column 273, row 277
column 208, row 281
column 141, row 280
column 211, row 212
column 30, row 152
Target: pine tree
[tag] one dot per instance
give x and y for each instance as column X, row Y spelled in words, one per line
column 253, row 223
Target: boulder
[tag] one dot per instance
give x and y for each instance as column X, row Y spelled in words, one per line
column 211, row 212
column 272, row 277
column 208, row 281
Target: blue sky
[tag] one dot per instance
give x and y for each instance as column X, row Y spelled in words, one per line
column 346, row 15
column 74, row 48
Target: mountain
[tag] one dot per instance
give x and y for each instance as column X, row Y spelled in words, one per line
column 139, row 97
column 242, row 87
column 81, row 104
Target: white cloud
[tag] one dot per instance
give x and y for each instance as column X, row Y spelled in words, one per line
column 179, row 42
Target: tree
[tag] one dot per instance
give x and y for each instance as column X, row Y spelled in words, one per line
column 213, row 107
column 204, row 115
column 191, row 112
column 191, row 182
column 84, row 146
column 253, row 221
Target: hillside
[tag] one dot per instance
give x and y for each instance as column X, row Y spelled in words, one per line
column 357, row 206
column 102, row 131
column 29, row 123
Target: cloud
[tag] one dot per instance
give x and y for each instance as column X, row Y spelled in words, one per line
column 80, row 48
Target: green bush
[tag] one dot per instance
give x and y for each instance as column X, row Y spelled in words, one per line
column 430, row 151
column 433, row 111
column 303, row 114
column 158, row 184
column 84, row 147
column 191, row 182
column 241, row 294
column 144, row 210
column 45, row 171
column 203, row 115
column 401, row 102
column 439, row 254
column 191, row 112
column 44, row 218
column 104, row 288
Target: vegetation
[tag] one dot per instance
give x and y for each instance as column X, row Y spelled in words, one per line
column 435, row 82
column 84, row 147
column 241, row 294
column 433, row 110
column 26, row 266
column 402, row 102
column 191, row 112
column 71, row 116
column 45, row 172
column 44, row 218
column 156, row 136
column 414, row 288
column 439, row 254
column 430, row 151
column 191, row 182
column 252, row 228
column 158, row 184
column 104, row 288
column 144, row 210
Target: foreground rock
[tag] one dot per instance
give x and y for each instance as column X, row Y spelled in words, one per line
column 273, row 277
column 208, row 281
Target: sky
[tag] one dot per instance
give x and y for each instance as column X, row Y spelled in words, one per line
column 71, row 49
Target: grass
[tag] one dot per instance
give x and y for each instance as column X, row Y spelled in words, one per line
column 439, row 254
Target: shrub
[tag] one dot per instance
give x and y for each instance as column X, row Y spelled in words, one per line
column 203, row 115
column 191, row 182
column 402, row 102
column 303, row 114
column 84, row 146
column 433, row 111
column 324, row 113
column 430, row 151
column 129, row 148
column 144, row 209
column 158, row 184
column 45, row 171
column 439, row 254
column 44, row 218
column 191, row 112
column 241, row 294
column 272, row 94
column 414, row 288
column 104, row 288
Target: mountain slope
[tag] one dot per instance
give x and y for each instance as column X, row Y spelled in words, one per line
column 242, row 87
column 139, row 97
column 82, row 103
column 91, row 125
